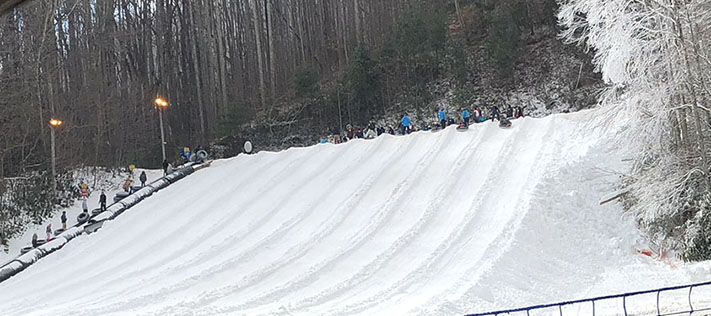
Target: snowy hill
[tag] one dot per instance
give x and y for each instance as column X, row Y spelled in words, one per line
column 432, row 224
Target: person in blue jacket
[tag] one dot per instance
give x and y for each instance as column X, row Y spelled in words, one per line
column 466, row 115
column 442, row 118
column 407, row 124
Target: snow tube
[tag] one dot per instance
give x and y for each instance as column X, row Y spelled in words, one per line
column 201, row 156
column 120, row 196
column 82, row 217
column 248, row 147
column 58, row 231
column 25, row 250
column 96, row 211
column 462, row 128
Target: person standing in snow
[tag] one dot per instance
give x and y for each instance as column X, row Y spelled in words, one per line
column 406, row 124
column 519, row 112
column 49, row 232
column 127, row 184
column 350, row 132
column 165, row 167
column 442, row 118
column 143, row 178
column 336, row 134
column 477, row 114
column 64, row 220
column 509, row 112
column 495, row 115
column 102, row 201
column 34, row 240
column 84, row 190
column 465, row 116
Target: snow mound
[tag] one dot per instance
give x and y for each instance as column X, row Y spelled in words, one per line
column 426, row 224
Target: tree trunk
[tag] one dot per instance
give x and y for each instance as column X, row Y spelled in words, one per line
column 260, row 61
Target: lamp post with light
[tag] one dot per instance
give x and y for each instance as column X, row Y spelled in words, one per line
column 162, row 105
column 54, row 124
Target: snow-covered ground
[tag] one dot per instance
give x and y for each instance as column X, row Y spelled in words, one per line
column 97, row 180
column 427, row 224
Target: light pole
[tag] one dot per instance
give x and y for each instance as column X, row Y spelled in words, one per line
column 54, row 124
column 162, row 105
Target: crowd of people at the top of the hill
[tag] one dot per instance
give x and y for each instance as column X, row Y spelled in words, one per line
column 406, row 125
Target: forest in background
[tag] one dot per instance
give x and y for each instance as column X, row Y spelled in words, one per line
column 279, row 72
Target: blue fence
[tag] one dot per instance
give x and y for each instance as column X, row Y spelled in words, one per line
column 691, row 309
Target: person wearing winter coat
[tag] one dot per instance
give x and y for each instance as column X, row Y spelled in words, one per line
column 442, row 118
column 509, row 112
column 84, row 190
column 519, row 112
column 84, row 206
column 127, row 184
column 143, row 178
column 406, row 124
column 64, row 220
column 350, row 132
column 336, row 132
column 49, row 232
column 370, row 134
column 165, row 167
column 102, row 201
column 477, row 114
column 465, row 116
column 495, row 114
column 504, row 123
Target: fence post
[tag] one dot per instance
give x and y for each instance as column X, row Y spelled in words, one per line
column 690, row 305
column 560, row 309
column 624, row 304
column 593, row 301
column 659, row 312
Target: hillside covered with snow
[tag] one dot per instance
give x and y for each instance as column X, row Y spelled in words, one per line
column 427, row 224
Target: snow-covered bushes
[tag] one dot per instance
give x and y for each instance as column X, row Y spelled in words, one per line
column 28, row 199
column 652, row 58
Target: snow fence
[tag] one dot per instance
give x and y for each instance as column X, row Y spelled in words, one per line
column 95, row 222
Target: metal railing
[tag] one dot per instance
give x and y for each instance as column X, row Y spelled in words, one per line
column 624, row 297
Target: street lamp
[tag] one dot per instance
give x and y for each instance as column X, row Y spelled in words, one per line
column 54, row 124
column 162, row 104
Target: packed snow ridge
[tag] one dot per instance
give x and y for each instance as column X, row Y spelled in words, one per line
column 439, row 223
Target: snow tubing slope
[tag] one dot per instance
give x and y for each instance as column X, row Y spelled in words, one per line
column 425, row 224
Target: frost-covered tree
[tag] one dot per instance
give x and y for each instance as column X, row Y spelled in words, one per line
column 654, row 57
